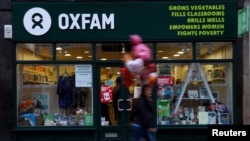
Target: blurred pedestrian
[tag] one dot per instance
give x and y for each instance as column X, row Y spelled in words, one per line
column 143, row 126
column 116, row 97
column 105, row 108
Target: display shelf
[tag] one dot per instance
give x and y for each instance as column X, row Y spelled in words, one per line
column 34, row 82
column 194, row 71
column 34, row 70
column 218, row 74
column 194, row 91
column 218, row 80
column 35, row 75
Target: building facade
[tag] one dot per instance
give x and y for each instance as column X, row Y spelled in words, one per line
column 66, row 56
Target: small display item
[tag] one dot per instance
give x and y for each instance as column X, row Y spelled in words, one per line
column 193, row 94
column 203, row 93
column 223, row 118
column 212, row 116
column 106, row 93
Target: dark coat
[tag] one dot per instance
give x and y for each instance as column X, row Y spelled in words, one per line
column 116, row 97
column 64, row 91
column 144, row 112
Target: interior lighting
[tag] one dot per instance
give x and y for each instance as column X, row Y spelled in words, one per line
column 180, row 52
column 58, row 48
column 123, row 49
column 165, row 57
column 79, row 57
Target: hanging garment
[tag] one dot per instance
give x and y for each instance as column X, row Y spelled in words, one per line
column 64, row 91
column 79, row 98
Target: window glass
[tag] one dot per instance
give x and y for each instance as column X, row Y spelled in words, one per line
column 173, row 51
column 54, row 95
column 73, row 51
column 214, row 50
column 34, row 51
column 110, row 95
column 114, row 51
column 194, row 94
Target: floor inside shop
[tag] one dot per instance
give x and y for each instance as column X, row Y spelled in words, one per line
column 111, row 114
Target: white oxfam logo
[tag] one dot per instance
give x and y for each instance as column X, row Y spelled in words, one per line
column 37, row 21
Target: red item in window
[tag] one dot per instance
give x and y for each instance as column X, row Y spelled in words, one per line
column 106, row 94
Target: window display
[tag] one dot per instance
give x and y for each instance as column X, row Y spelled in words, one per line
column 48, row 96
column 54, row 88
column 195, row 99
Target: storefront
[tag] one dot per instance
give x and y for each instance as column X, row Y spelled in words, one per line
column 68, row 57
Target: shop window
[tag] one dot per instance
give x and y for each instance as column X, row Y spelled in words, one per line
column 203, row 50
column 214, row 50
column 173, row 51
column 54, row 95
column 195, row 93
column 34, row 51
column 73, row 51
column 114, row 51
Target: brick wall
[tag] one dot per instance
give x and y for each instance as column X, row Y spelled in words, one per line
column 6, row 95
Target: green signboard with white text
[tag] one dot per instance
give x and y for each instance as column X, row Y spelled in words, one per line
column 243, row 20
column 93, row 22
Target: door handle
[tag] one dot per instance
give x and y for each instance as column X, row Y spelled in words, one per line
column 118, row 105
column 130, row 103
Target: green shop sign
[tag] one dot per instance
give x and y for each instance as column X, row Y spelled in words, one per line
column 243, row 21
column 92, row 22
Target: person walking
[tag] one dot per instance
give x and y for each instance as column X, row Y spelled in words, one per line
column 116, row 97
column 143, row 125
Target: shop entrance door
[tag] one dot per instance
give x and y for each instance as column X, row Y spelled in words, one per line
column 116, row 112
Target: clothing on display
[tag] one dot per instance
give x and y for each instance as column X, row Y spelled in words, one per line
column 64, row 91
